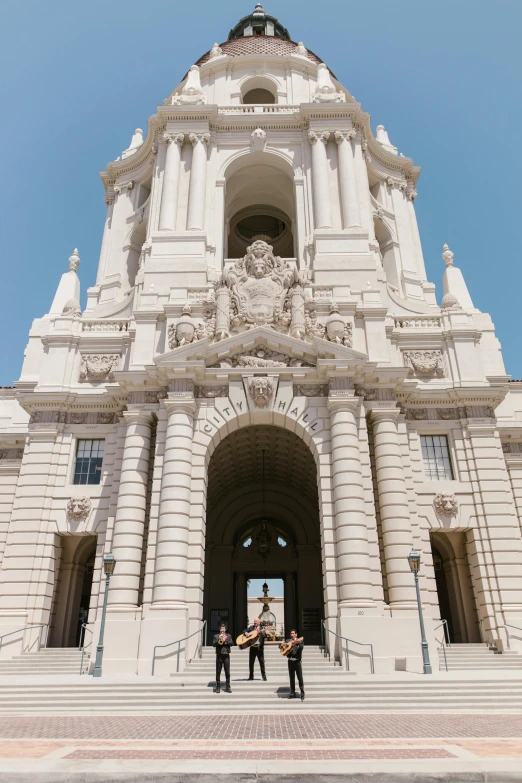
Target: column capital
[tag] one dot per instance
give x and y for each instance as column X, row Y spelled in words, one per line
column 177, row 138
column 344, row 135
column 385, row 414
column 183, row 404
column 314, row 136
column 204, row 138
column 343, row 401
column 137, row 415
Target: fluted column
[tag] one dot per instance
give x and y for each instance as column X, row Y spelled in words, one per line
column 320, row 179
column 129, row 523
column 198, row 181
column 353, row 558
column 104, row 250
column 393, row 505
column 289, row 603
column 170, row 577
column 347, row 179
column 169, row 194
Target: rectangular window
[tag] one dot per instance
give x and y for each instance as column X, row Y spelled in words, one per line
column 89, row 458
column 437, row 462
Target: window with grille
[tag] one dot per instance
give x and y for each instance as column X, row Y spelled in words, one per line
column 89, row 458
column 437, row 462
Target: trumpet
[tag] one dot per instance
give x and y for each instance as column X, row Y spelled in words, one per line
column 222, row 638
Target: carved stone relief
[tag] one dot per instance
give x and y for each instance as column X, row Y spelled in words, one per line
column 72, row 309
column 11, row 454
column 106, row 418
column 261, row 357
column 426, row 364
column 210, row 392
column 319, row 390
column 261, row 390
column 79, row 508
column 446, row 504
column 98, row 367
column 368, row 394
column 417, row 414
column 446, row 413
column 77, row 418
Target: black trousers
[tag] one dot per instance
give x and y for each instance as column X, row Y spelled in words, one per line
column 259, row 653
column 222, row 662
column 294, row 667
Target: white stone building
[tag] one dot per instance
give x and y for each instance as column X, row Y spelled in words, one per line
column 262, row 383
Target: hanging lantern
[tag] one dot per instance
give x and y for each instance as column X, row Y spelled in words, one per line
column 263, row 540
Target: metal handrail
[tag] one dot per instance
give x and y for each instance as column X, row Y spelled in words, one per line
column 446, row 631
column 353, row 641
column 82, row 647
column 19, row 630
column 485, row 639
column 512, row 626
column 178, row 642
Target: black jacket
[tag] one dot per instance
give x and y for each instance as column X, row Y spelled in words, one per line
column 223, row 649
column 296, row 653
column 262, row 636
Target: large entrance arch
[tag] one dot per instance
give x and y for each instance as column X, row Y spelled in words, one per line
column 263, row 522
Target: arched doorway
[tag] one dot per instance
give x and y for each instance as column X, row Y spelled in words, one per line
column 263, row 523
column 72, row 591
column 454, row 588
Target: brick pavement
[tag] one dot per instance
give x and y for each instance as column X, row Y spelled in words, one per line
column 260, row 755
column 260, row 727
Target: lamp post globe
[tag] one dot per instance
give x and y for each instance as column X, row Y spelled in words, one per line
column 109, row 564
column 414, row 563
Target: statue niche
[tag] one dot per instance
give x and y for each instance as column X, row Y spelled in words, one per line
column 256, row 292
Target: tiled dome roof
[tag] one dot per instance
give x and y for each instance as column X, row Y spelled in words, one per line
column 259, row 44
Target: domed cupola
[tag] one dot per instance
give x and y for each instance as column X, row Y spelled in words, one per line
column 258, row 23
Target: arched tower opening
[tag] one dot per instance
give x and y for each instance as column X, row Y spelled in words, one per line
column 260, row 204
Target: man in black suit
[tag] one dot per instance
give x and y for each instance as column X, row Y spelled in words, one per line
column 222, row 642
column 294, row 665
column 257, row 650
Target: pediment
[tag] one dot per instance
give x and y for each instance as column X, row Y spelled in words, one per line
column 262, row 347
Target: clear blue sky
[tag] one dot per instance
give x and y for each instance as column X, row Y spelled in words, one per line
column 77, row 78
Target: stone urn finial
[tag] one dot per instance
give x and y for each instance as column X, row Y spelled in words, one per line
column 447, row 256
column 334, row 325
column 185, row 327
column 74, row 260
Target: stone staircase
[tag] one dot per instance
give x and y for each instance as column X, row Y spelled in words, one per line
column 49, row 660
column 466, row 657
column 329, row 688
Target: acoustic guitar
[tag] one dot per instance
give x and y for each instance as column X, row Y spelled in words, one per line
column 245, row 640
column 286, row 647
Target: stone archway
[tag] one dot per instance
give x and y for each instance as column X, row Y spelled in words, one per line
column 263, row 476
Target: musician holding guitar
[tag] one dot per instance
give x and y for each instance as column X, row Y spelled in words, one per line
column 293, row 649
column 222, row 642
column 257, row 649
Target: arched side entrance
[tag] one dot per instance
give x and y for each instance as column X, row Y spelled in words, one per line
column 454, row 587
column 262, row 522
column 72, row 591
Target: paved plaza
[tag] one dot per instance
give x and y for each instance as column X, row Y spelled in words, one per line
column 387, row 747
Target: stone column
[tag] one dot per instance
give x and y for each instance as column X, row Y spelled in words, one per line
column 129, row 524
column 347, row 179
column 394, row 510
column 169, row 194
column 289, row 603
column 170, row 577
column 198, row 181
column 353, row 558
column 297, row 326
column 104, row 250
column 320, row 179
column 241, row 603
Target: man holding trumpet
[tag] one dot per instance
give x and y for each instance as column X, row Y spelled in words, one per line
column 222, row 642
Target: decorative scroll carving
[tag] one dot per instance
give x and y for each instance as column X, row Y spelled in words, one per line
column 155, row 396
column 446, row 504
column 417, row 413
column 79, row 508
column 319, row 390
column 192, row 92
column 450, row 302
column 98, row 367
column 77, row 418
column 325, row 91
column 446, row 413
column 105, row 418
column 314, row 328
column 424, row 363
column 261, row 357
column 72, row 309
column 210, row 392
column 367, row 394
column 261, row 390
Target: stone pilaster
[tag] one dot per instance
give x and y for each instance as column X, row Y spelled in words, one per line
column 169, row 194
column 198, row 179
column 320, row 179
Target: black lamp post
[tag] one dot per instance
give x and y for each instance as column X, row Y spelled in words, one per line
column 414, row 561
column 109, row 562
